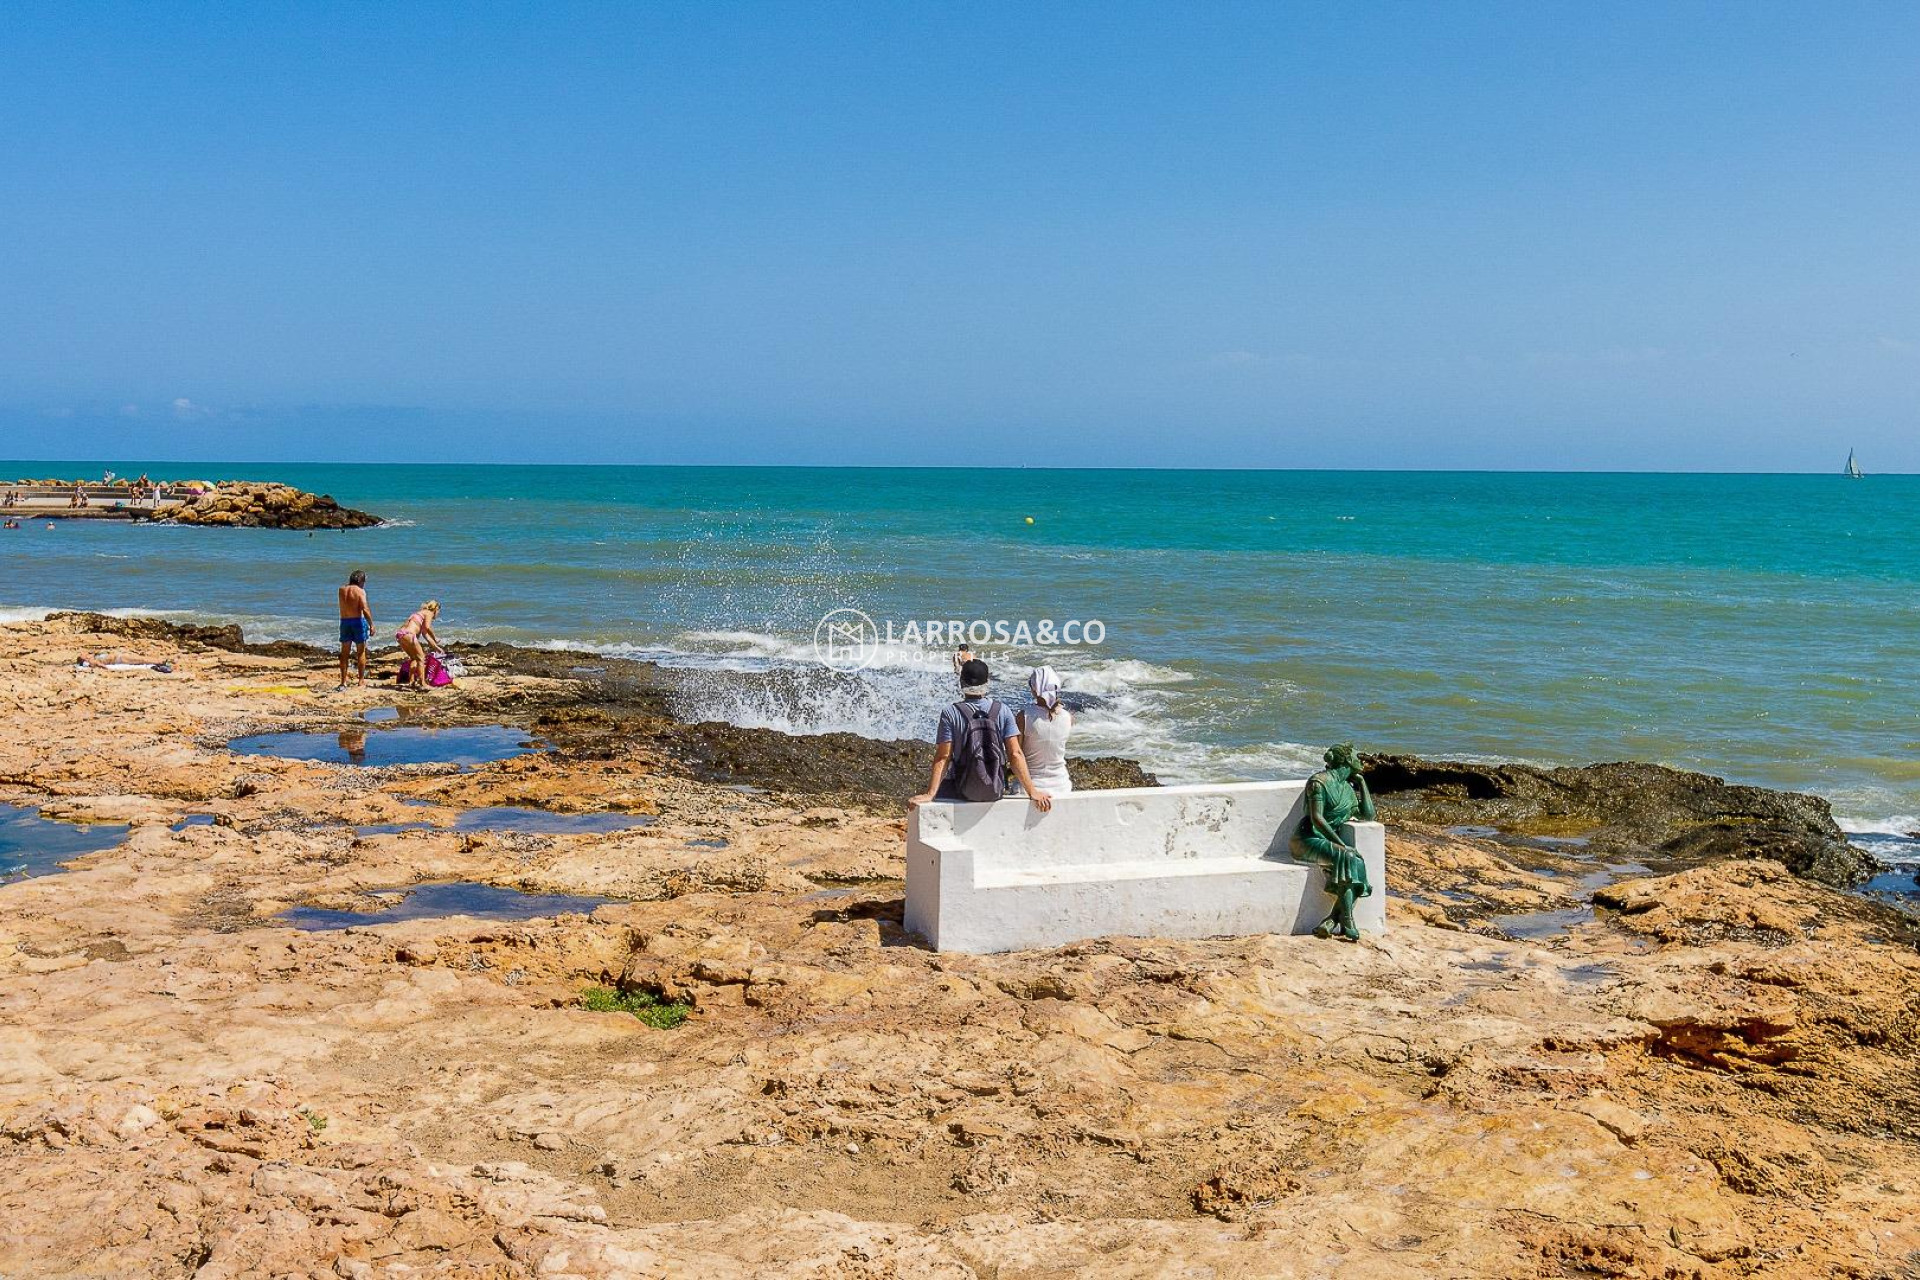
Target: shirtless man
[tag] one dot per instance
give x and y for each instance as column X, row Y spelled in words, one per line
column 356, row 623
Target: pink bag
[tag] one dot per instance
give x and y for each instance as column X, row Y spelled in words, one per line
column 437, row 674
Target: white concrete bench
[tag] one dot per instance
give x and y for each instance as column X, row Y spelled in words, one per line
column 1164, row 862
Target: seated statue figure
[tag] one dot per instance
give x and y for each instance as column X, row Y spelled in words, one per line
column 1335, row 795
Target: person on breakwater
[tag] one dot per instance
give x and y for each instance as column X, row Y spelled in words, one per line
column 414, row 637
column 1044, row 726
column 356, row 623
column 975, row 744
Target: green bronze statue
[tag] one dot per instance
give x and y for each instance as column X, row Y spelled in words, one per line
column 1336, row 795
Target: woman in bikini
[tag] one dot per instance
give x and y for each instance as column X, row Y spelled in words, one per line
column 415, row 636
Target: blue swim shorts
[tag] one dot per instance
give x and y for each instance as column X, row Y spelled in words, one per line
column 353, row 631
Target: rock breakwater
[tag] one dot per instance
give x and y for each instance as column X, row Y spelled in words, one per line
column 265, row 505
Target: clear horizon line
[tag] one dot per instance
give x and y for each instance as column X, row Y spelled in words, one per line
column 874, row 466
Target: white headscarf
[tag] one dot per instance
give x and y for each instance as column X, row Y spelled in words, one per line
column 1044, row 684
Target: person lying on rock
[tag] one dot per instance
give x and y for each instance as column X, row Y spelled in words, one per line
column 106, row 661
column 1337, row 794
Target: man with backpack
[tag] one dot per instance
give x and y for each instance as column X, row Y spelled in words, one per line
column 977, row 742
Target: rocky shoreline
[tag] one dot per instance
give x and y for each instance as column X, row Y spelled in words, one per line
column 1709, row 1068
column 227, row 503
column 1669, row 819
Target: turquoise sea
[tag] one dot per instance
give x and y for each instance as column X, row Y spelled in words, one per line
column 1762, row 627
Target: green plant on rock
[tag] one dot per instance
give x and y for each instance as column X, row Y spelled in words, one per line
column 644, row 1005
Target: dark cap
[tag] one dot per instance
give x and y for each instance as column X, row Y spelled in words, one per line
column 974, row 672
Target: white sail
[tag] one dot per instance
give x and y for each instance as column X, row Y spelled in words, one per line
column 1853, row 468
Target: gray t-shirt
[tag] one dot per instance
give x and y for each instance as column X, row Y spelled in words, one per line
column 951, row 724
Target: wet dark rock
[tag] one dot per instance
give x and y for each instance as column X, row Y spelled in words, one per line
column 1659, row 815
column 222, row 637
column 1108, row 773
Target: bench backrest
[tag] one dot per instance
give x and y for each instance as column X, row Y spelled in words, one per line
column 1138, row 824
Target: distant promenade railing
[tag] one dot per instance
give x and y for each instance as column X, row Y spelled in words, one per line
column 103, row 500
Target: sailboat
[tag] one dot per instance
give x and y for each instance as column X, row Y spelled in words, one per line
column 1853, row 471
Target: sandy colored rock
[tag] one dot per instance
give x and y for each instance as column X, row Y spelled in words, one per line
column 266, row 505
column 1717, row 1077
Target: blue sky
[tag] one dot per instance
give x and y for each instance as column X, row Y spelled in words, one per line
column 1516, row 235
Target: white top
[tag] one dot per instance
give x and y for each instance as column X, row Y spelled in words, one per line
column 1044, row 741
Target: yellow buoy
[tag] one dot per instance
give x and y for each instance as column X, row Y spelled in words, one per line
column 1029, row 519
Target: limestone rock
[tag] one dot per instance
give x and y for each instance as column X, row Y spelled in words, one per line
column 1717, row 1077
column 267, row 505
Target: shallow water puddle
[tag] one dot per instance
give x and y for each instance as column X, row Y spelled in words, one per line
column 1601, row 877
column 1899, row 877
column 466, row 746
column 31, row 845
column 1569, row 866
column 392, row 828
column 544, row 822
column 1902, row 880
column 194, row 820
column 458, row 898
column 1535, row 925
column 1510, row 966
column 1596, row 972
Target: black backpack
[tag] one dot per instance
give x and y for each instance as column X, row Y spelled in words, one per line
column 978, row 770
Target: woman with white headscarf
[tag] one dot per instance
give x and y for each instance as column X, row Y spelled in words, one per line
column 1044, row 726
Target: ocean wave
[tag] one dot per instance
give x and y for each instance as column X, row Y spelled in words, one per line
column 885, row 704
column 1114, row 675
column 1900, row 824
column 39, row 613
column 1078, row 673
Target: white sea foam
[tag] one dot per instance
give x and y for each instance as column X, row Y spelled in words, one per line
column 1114, row 675
column 257, row 627
column 37, row 613
column 1130, row 710
column 1900, row 824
